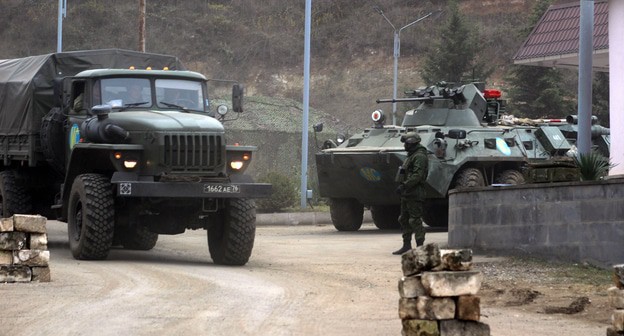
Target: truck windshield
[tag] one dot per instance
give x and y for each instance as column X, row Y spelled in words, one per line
column 178, row 93
column 126, row 92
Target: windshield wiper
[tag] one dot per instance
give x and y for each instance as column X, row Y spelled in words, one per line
column 185, row 109
column 132, row 105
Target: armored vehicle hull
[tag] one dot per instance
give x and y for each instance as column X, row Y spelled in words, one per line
column 464, row 151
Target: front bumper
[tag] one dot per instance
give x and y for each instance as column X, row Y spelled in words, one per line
column 137, row 188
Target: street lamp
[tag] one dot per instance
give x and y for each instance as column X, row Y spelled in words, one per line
column 397, row 51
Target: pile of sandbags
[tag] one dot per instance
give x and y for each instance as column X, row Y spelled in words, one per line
column 616, row 298
column 438, row 293
column 24, row 254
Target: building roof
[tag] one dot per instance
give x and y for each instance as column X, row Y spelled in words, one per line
column 554, row 42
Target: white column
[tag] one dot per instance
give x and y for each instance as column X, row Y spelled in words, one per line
column 616, row 84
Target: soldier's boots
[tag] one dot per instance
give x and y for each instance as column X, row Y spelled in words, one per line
column 406, row 247
column 420, row 242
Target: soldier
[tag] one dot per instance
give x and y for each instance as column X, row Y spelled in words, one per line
column 412, row 177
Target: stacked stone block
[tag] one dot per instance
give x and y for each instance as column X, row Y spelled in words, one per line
column 24, row 254
column 438, row 293
column 616, row 298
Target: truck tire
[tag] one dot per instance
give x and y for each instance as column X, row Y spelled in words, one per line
column 137, row 237
column 90, row 217
column 386, row 217
column 14, row 198
column 346, row 214
column 231, row 240
column 510, row 176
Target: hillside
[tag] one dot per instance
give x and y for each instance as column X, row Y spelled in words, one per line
column 261, row 43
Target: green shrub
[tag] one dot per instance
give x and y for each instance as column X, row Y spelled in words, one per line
column 593, row 166
column 284, row 193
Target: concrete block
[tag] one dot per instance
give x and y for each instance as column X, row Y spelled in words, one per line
column 38, row 241
column 411, row 287
column 617, row 319
column 31, row 257
column 420, row 259
column 13, row 240
column 463, row 328
column 456, row 260
column 30, row 223
column 445, row 284
column 612, row 332
column 6, row 258
column 6, row 224
column 15, row 273
column 616, row 297
column 618, row 276
column 420, row 328
column 427, row 308
column 41, row 274
column 468, row 308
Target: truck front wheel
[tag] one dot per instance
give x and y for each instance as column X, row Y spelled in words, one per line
column 91, row 216
column 231, row 240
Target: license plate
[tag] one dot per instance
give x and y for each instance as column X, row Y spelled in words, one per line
column 221, row 188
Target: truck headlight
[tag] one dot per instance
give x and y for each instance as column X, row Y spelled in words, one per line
column 236, row 165
column 129, row 164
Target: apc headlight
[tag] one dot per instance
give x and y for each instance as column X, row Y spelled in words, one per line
column 222, row 110
column 340, row 138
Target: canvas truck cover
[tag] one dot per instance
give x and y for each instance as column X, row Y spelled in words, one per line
column 26, row 84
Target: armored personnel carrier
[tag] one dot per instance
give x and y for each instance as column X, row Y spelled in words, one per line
column 467, row 148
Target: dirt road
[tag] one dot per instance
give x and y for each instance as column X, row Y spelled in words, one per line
column 301, row 280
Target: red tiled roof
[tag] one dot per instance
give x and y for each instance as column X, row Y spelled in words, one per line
column 557, row 33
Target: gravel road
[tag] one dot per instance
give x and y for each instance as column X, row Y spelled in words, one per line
column 301, row 280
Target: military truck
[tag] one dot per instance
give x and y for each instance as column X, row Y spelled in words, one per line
column 458, row 126
column 124, row 152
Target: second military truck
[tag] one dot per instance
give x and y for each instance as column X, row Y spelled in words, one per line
column 123, row 146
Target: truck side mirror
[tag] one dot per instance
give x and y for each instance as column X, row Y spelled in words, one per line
column 237, row 97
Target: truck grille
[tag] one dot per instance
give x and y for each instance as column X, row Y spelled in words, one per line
column 193, row 152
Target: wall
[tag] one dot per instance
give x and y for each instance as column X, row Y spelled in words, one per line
column 578, row 222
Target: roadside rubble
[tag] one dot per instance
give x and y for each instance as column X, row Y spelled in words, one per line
column 24, row 254
column 438, row 293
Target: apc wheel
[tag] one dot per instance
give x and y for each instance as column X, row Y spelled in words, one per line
column 91, row 216
column 230, row 242
column 138, row 237
column 510, row 177
column 13, row 196
column 469, row 178
column 435, row 213
column 346, row 214
column 386, row 217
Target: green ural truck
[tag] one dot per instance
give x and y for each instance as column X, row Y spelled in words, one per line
column 123, row 152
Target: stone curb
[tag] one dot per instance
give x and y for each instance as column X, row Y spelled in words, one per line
column 300, row 218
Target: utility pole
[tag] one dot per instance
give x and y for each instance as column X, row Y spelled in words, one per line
column 306, row 103
column 62, row 12
column 396, row 54
column 142, row 25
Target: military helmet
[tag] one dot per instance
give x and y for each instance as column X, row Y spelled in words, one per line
column 410, row 137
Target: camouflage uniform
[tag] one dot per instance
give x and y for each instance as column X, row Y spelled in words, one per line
column 412, row 191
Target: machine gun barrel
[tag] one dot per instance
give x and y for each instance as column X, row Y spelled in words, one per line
column 406, row 100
